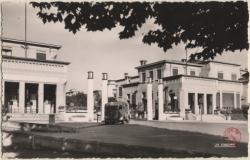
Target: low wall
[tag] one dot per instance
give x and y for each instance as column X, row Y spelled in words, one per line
column 44, row 118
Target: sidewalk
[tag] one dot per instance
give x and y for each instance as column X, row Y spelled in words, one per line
column 210, row 128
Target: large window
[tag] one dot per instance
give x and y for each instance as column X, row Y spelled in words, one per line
column 192, row 73
column 151, row 75
column 40, row 56
column 220, row 75
column 175, row 71
column 234, row 77
column 159, row 74
column 7, row 51
column 143, row 77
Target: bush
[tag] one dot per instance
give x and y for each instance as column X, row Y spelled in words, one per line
column 240, row 113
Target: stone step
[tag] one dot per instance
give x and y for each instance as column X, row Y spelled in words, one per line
column 210, row 117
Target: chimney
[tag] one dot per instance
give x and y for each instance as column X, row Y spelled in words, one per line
column 126, row 77
column 183, row 60
column 104, row 76
column 143, row 62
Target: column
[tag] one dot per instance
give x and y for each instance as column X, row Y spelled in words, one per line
column 221, row 100
column 40, row 98
column 183, row 102
column 196, row 110
column 149, row 100
column 160, row 100
column 60, row 94
column 104, row 94
column 21, row 97
column 205, row 103
column 90, row 96
column 235, row 100
column 214, row 102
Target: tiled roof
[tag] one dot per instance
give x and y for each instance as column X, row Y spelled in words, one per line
column 35, row 60
column 31, row 43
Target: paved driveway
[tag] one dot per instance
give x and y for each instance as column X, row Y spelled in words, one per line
column 211, row 128
column 147, row 136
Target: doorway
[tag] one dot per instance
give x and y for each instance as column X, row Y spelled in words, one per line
column 209, row 104
column 11, row 97
column 31, row 98
column 49, row 98
column 191, row 102
column 201, row 103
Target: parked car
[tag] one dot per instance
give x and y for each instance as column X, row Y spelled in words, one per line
column 116, row 112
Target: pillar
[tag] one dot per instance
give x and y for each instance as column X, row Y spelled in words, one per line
column 213, row 102
column 183, row 102
column 235, row 100
column 40, row 98
column 160, row 99
column 21, row 97
column 149, row 100
column 90, row 96
column 205, row 103
column 104, row 94
column 221, row 100
column 196, row 110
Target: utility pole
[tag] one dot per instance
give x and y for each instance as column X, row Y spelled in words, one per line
column 186, row 60
column 25, row 30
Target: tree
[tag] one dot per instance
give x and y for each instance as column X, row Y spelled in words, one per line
column 215, row 27
column 79, row 99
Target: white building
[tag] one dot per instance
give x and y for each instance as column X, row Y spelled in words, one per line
column 33, row 80
column 188, row 88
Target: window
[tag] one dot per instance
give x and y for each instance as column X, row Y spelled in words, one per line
column 120, row 91
column 143, row 77
column 7, row 51
column 151, row 75
column 40, row 56
column 234, row 77
column 175, row 71
column 220, row 75
column 192, row 73
column 159, row 74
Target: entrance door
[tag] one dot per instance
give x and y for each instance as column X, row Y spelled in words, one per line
column 201, row 103
column 191, row 102
column 209, row 103
column 31, row 98
column 49, row 98
column 11, row 96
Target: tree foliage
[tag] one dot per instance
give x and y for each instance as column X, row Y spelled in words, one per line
column 79, row 99
column 215, row 27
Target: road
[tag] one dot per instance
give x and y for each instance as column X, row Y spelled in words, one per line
column 151, row 137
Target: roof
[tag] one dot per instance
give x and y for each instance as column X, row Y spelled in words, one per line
column 130, row 84
column 180, row 75
column 35, row 60
column 31, row 43
column 170, row 62
column 233, row 64
column 130, row 77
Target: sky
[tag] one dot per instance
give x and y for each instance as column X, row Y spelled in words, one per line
column 94, row 51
